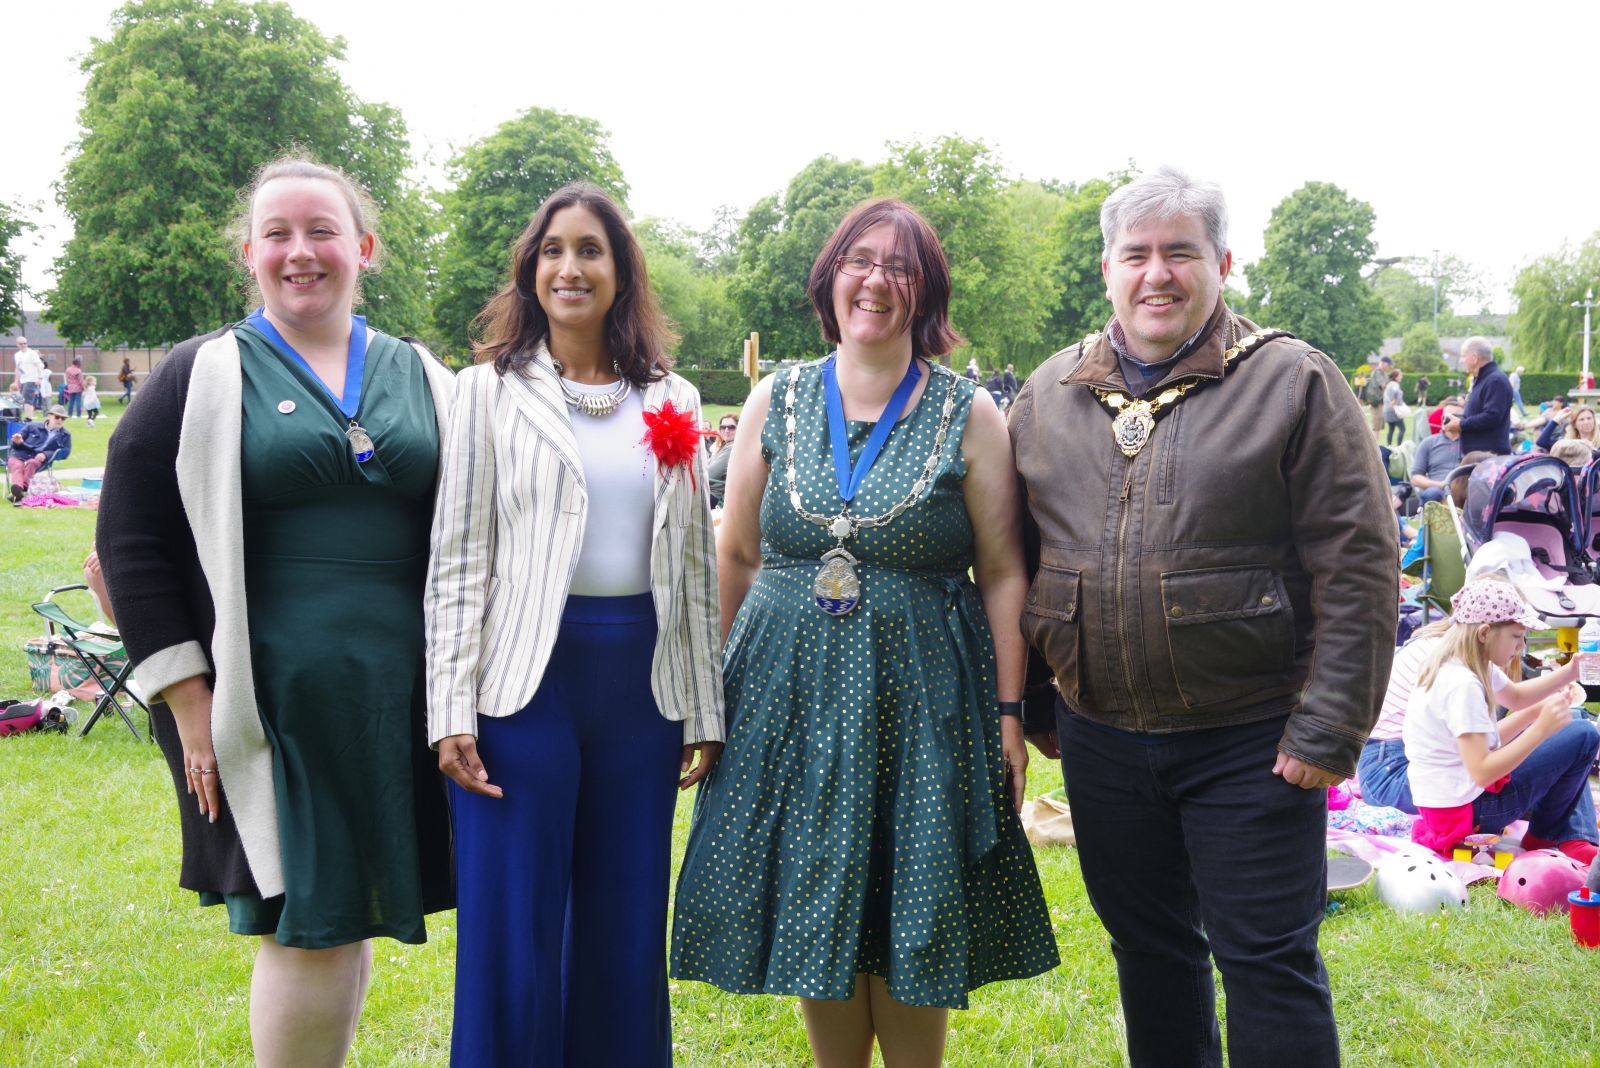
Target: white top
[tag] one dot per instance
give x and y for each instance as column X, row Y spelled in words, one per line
column 91, row 398
column 30, row 367
column 620, row 476
column 1408, row 663
column 1454, row 705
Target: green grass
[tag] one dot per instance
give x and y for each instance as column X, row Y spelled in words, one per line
column 103, row 961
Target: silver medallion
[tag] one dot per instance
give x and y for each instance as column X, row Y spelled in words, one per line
column 285, row 407
column 841, row 527
column 360, row 442
column 837, row 590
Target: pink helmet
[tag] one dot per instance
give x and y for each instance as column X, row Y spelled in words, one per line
column 1540, row 880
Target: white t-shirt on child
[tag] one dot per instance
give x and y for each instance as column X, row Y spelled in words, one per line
column 1454, row 705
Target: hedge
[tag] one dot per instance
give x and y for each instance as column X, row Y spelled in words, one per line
column 1537, row 386
column 718, row 387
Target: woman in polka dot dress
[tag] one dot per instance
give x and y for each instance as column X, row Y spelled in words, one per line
column 858, row 844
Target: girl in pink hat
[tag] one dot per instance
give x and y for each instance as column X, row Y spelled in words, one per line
column 1469, row 773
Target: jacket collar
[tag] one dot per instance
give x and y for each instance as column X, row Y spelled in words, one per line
column 1098, row 364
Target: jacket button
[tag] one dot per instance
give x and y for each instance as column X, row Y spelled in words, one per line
column 1177, row 611
column 1269, row 600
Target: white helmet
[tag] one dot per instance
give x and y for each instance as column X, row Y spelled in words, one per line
column 1410, row 883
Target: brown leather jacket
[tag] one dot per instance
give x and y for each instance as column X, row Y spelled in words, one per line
column 1243, row 565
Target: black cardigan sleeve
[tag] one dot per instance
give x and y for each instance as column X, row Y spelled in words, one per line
column 146, row 547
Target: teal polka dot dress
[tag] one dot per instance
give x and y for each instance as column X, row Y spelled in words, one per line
column 857, row 820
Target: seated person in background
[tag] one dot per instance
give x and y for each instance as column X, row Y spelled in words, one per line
column 1574, row 452
column 1437, row 456
column 1556, row 416
column 1381, row 771
column 1469, row 773
column 1458, row 485
column 1436, row 416
column 35, row 445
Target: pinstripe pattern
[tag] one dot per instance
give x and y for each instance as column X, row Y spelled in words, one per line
column 506, row 535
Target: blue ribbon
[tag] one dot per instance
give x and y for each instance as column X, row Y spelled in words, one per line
column 355, row 363
column 850, row 479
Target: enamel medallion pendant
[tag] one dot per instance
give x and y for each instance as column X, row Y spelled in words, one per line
column 837, row 590
column 1132, row 427
column 360, row 442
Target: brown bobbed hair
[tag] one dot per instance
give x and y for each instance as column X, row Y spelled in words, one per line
column 928, row 292
column 513, row 323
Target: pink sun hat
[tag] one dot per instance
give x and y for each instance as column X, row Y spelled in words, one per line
column 1492, row 601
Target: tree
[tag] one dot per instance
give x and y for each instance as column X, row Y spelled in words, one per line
column 694, row 296
column 1420, row 352
column 778, row 241
column 184, row 101
column 499, row 182
column 1076, row 246
column 1000, row 292
column 1546, row 330
column 1409, row 294
column 12, row 227
column 1309, row 281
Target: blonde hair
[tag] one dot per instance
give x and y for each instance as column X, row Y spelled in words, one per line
column 1460, row 642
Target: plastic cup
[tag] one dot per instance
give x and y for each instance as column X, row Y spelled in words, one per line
column 1584, row 914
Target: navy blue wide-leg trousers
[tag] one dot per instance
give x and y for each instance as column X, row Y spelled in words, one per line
column 562, row 883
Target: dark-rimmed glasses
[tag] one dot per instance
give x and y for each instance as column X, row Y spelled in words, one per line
column 861, row 267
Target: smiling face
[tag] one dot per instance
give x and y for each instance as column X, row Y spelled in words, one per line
column 305, row 251
column 1163, row 278
column 873, row 311
column 575, row 275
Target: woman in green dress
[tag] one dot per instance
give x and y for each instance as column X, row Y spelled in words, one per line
column 264, row 537
column 858, row 843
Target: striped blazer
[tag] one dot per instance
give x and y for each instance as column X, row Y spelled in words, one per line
column 507, row 530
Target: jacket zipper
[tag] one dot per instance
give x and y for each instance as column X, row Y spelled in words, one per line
column 1122, row 613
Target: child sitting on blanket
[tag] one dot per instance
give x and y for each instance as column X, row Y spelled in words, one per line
column 1469, row 774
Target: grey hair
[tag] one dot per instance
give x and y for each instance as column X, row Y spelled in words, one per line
column 1162, row 195
column 1478, row 346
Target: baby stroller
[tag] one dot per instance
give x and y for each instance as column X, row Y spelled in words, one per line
column 1535, row 502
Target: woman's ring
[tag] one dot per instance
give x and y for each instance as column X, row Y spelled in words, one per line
column 197, row 771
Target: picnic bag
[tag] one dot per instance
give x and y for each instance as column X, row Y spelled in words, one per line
column 52, row 666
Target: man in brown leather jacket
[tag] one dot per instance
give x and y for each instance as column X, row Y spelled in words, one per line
column 1214, row 594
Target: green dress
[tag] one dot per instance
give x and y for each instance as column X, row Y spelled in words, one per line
column 336, row 554
column 857, row 820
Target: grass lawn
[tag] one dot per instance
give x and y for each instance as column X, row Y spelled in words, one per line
column 103, row 961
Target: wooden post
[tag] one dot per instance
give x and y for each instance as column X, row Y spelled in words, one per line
column 752, row 358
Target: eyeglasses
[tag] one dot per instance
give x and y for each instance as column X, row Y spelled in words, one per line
column 861, row 267
column 728, row 426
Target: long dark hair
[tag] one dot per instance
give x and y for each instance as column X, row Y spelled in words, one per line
column 513, row 323
column 927, row 294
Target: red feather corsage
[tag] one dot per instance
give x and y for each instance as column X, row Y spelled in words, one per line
column 674, row 436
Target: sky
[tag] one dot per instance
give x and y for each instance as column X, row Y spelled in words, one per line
column 1469, row 127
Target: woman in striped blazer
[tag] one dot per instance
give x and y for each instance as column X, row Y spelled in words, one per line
column 573, row 648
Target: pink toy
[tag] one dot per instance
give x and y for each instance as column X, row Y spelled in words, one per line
column 1339, row 798
column 1541, row 880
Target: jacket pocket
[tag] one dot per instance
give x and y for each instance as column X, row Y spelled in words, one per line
column 1050, row 625
column 1230, row 632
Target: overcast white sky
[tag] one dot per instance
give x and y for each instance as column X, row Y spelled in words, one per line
column 1468, row 126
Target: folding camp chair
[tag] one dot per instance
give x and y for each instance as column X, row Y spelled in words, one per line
column 1440, row 557
column 94, row 649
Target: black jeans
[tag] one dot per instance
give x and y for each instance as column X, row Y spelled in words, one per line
column 1191, row 849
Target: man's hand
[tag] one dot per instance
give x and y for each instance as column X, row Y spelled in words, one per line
column 1306, row 776
column 1046, row 743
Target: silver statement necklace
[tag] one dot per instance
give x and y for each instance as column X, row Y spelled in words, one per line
column 595, row 404
column 837, row 587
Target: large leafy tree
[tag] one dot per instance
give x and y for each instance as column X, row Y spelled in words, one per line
column 12, row 227
column 1309, row 280
column 498, row 183
column 1076, row 247
column 693, row 293
column 1546, row 330
column 1000, row 293
column 185, row 99
column 778, row 241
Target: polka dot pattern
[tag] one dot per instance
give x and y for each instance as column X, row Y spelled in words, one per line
column 857, row 820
